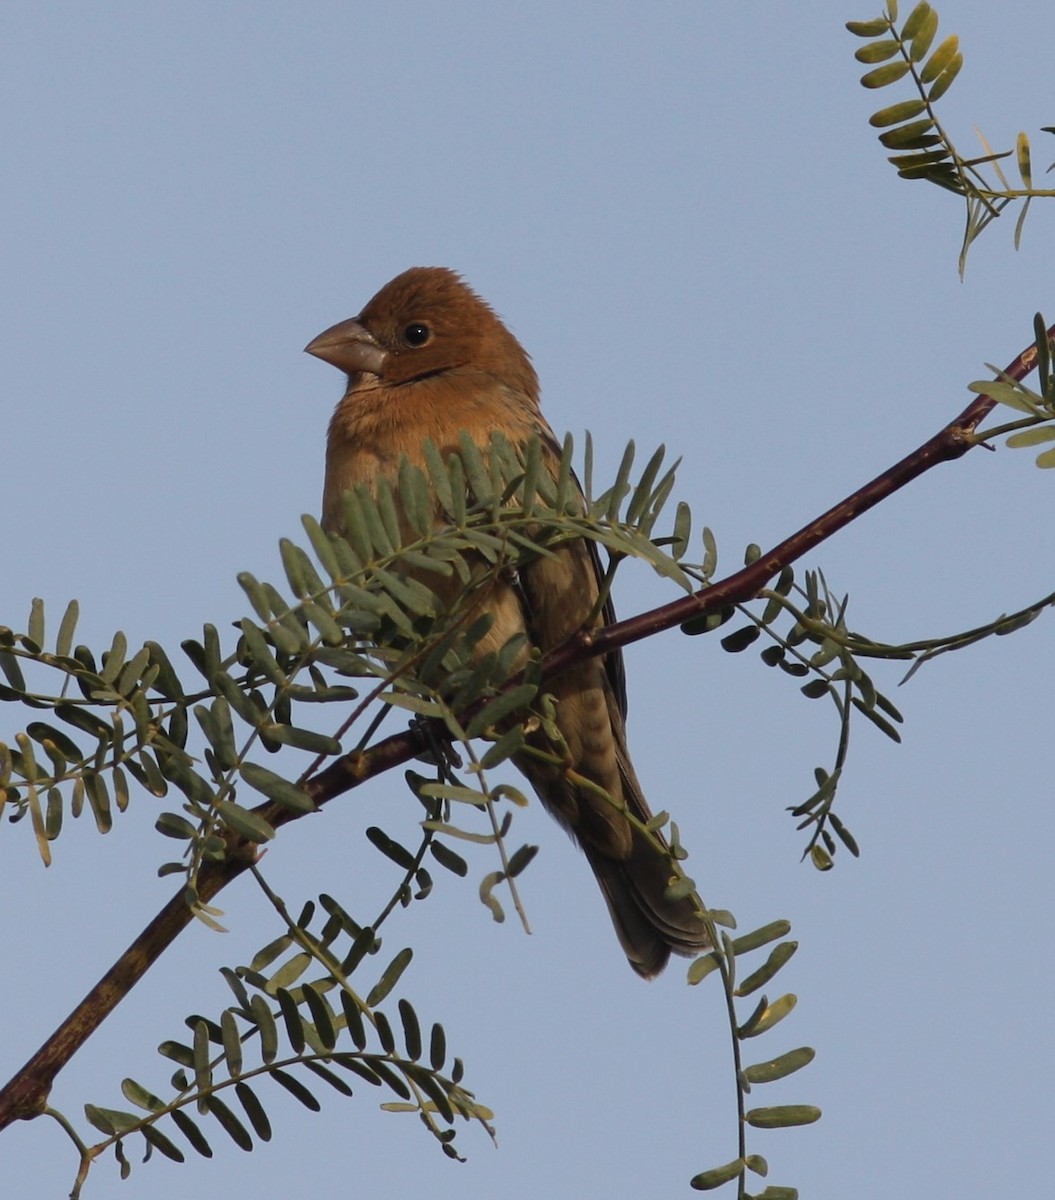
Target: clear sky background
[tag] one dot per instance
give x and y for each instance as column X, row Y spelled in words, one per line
column 681, row 211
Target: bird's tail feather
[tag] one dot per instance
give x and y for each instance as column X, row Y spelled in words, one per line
column 649, row 924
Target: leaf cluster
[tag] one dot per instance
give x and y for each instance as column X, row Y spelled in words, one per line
column 354, row 629
column 297, row 1021
column 764, row 1016
column 911, row 129
column 1037, row 426
column 807, row 638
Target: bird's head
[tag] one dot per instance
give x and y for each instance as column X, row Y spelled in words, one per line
column 426, row 322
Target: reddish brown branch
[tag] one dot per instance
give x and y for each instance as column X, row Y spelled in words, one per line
column 27, row 1092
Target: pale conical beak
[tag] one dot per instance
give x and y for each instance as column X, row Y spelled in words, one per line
column 348, row 347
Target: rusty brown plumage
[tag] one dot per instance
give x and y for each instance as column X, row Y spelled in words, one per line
column 426, row 359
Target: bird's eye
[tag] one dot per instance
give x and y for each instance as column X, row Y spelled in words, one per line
column 416, row 334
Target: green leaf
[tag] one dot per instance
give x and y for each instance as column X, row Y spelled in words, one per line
column 300, row 573
column 353, row 1020
column 519, row 860
column 201, row 1052
column 437, row 1047
column 740, row 639
column 43, row 733
column 816, row 689
column 274, row 949
column 716, row 1177
column 905, row 110
column 162, row 1144
column 879, row 722
column 260, row 653
column 254, row 1110
column 446, row 857
column 177, row 1052
column 175, row 826
column 777, row 958
column 230, row 1124
column 244, row 822
column 502, row 706
column 321, row 1017
column 399, row 854
column 411, row 1030
column 767, row 1015
column 451, row 792
column 782, row 1116
column 486, row 891
column 191, row 1132
column 941, row 59
column 724, row 918
column 301, row 739
column 166, row 681
column 388, row 1043
column 363, row 1070
column 915, row 20
column 433, row 1088
column 290, row 971
column 761, row 937
column 291, row 1017
column 844, row 835
column 390, row 977
column 64, row 640
column 876, row 52
column 417, row 503
column 710, row 553
column 916, row 135
column 701, row 967
column 282, row 791
column 621, row 486
column 36, row 623
column 265, row 1023
column 778, row 1068
column 414, row 704
column 944, row 81
column 114, row 658
column 232, row 1043
column 110, row 1120
column 868, row 29
column 682, row 529
column 99, row 799
column 885, row 75
column 756, row 1163
column 138, row 1095
column 507, row 745
column 923, row 34
column 324, row 1073
column 246, row 704
column 218, row 728
column 820, row 858
column 1027, row 437
column 78, row 717
column 1013, row 395
column 639, row 501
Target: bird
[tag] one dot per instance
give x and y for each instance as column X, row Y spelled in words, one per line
column 428, row 358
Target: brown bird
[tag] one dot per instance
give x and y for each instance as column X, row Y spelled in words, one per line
column 425, row 359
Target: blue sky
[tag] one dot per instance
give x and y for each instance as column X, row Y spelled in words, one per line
column 684, row 216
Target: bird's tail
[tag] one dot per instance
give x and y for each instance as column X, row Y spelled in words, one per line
column 650, row 925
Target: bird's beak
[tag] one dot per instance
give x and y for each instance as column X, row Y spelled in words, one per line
column 348, row 347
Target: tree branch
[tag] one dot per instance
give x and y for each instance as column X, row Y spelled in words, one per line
column 26, row 1094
